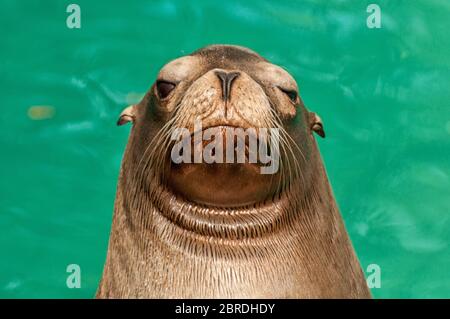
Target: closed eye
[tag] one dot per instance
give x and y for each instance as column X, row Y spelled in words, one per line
column 292, row 94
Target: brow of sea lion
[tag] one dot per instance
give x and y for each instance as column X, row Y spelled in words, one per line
column 229, row 55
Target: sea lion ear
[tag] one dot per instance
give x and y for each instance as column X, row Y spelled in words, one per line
column 126, row 116
column 316, row 124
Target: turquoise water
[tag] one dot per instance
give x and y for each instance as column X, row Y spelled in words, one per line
column 383, row 95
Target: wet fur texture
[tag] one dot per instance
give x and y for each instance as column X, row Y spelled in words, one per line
column 292, row 244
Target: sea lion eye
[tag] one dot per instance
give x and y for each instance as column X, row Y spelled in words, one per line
column 292, row 95
column 164, row 88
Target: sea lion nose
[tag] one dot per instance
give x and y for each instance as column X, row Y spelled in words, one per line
column 227, row 79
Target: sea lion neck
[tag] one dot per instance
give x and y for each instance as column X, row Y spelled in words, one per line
column 156, row 212
column 237, row 223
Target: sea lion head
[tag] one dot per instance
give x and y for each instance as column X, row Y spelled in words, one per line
column 223, row 88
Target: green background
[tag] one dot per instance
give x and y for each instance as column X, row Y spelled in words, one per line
column 383, row 95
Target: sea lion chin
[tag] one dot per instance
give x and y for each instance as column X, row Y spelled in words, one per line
column 235, row 163
column 189, row 224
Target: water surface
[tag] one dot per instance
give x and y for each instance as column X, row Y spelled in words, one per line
column 383, row 95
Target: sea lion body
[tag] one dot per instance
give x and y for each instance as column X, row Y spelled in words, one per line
column 211, row 238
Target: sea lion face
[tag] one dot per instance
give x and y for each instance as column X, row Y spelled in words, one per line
column 223, row 101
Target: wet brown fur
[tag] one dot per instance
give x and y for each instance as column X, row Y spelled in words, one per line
column 293, row 244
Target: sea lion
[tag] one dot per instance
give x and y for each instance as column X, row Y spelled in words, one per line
column 221, row 230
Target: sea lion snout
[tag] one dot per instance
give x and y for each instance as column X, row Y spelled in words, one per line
column 222, row 97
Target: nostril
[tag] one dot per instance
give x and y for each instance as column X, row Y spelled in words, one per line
column 227, row 80
column 231, row 76
column 221, row 74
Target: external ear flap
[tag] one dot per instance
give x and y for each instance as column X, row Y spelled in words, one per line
column 316, row 124
column 126, row 116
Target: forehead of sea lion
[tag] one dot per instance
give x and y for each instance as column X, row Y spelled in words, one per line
column 228, row 57
column 225, row 55
column 244, row 59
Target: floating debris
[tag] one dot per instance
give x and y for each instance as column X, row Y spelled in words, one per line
column 41, row 112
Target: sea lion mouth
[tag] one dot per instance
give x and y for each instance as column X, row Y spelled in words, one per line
column 233, row 145
column 225, row 166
